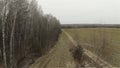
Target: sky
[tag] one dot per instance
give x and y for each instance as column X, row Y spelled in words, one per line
column 83, row 11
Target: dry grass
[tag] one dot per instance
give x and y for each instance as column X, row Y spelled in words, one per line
column 105, row 42
column 58, row 57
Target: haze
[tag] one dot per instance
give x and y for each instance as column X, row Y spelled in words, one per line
column 83, row 11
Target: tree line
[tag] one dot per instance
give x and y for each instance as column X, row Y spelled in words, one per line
column 25, row 31
column 90, row 26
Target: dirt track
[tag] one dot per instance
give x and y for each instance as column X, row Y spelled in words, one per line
column 58, row 57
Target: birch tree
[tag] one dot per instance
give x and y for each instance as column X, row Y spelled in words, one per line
column 4, row 14
column 25, row 30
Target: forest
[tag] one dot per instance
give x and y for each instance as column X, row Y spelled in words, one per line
column 90, row 26
column 25, row 32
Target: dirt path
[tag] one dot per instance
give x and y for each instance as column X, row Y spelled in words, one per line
column 94, row 58
column 58, row 57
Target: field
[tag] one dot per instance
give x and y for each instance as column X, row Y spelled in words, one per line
column 105, row 42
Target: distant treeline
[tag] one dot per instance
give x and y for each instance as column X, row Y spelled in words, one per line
column 90, row 25
column 25, row 31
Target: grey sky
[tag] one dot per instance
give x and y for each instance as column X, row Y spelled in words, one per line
column 83, row 11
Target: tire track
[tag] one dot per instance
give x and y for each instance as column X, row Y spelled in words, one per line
column 94, row 58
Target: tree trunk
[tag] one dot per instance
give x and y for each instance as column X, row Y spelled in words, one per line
column 4, row 17
column 11, row 43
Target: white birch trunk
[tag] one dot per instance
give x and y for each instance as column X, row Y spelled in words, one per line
column 4, row 17
column 5, row 12
column 12, row 44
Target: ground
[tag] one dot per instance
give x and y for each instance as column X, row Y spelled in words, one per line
column 91, row 37
column 58, row 57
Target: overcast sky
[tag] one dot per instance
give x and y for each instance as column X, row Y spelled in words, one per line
column 83, row 11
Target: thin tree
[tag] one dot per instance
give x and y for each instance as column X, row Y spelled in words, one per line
column 11, row 42
column 4, row 17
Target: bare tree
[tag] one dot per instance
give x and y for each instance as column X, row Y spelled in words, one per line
column 4, row 18
column 26, row 30
column 11, row 41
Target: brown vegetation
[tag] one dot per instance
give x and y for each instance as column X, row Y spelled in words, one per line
column 101, row 41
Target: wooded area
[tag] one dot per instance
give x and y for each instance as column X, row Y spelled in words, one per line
column 90, row 26
column 25, row 31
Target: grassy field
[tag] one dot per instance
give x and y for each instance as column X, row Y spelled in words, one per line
column 105, row 42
